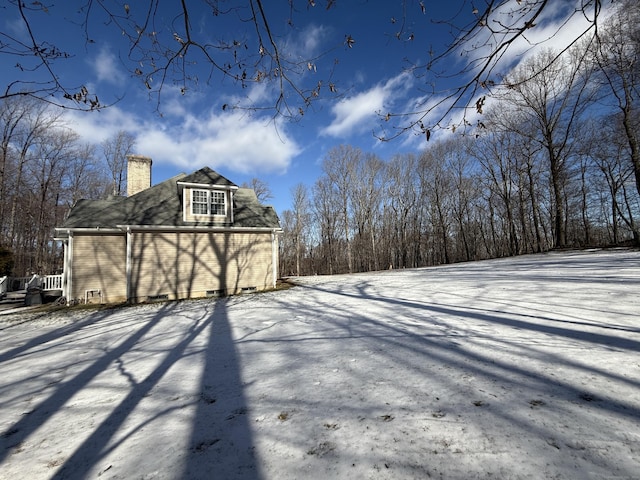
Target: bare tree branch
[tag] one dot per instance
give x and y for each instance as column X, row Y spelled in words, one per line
column 166, row 51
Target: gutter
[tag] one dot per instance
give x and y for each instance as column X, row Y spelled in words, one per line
column 196, row 228
column 60, row 232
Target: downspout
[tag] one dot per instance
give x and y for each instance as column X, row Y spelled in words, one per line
column 128, row 264
column 274, row 257
column 65, row 268
column 68, row 269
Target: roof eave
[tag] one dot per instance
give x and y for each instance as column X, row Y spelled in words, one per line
column 208, row 185
column 198, row 228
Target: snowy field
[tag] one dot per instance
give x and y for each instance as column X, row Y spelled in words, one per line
column 503, row 369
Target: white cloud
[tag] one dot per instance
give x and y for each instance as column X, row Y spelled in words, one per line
column 361, row 112
column 556, row 28
column 306, row 43
column 95, row 127
column 311, row 38
column 106, row 67
column 16, row 27
column 559, row 24
column 234, row 140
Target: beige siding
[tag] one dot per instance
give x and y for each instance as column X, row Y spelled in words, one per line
column 99, row 263
column 188, row 265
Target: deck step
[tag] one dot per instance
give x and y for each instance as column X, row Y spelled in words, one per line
column 17, row 295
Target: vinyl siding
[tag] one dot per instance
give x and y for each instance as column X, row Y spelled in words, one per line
column 188, row 265
column 99, row 263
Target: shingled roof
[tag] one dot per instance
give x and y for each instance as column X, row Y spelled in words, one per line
column 161, row 205
column 207, row 176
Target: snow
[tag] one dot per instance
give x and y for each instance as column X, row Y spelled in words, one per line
column 517, row 368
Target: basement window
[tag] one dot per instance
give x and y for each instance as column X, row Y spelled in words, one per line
column 157, row 298
column 215, row 293
column 248, row 289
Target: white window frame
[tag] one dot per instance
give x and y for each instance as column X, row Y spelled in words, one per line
column 214, row 201
column 200, row 201
column 211, row 200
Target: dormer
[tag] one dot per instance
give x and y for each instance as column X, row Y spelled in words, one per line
column 207, row 197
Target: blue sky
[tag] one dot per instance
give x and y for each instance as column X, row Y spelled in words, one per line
column 190, row 131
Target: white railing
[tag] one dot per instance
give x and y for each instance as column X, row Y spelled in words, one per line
column 34, row 281
column 51, row 282
column 15, row 284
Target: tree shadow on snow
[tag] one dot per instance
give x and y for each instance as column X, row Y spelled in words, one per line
column 221, row 439
column 402, row 342
column 22, row 429
column 221, row 444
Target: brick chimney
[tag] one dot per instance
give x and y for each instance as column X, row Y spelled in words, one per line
column 138, row 174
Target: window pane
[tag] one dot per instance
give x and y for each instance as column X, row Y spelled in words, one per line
column 217, row 203
column 199, row 202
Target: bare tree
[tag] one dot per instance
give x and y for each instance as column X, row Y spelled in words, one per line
column 261, row 189
column 552, row 101
column 339, row 166
column 495, row 152
column 85, row 177
column 38, row 181
column 13, row 116
column 436, row 182
column 484, row 35
column 325, row 214
column 286, row 244
column 300, row 226
column 35, row 120
column 609, row 153
column 366, row 197
column 402, row 200
column 618, row 56
column 115, row 151
column 36, row 61
column 465, row 185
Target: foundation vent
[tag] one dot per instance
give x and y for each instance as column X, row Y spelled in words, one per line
column 157, row 298
column 215, row 293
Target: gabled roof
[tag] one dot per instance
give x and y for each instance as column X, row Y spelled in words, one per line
column 161, row 205
column 206, row 176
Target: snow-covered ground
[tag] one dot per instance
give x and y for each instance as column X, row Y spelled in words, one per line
column 515, row 368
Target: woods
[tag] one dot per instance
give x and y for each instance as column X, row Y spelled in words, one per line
column 553, row 163
column 44, row 169
column 460, row 200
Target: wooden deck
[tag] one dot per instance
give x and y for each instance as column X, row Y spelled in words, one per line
column 30, row 290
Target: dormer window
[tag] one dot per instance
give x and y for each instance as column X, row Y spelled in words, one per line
column 208, row 202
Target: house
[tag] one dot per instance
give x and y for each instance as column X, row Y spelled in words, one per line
column 190, row 236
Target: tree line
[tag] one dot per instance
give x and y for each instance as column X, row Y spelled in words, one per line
column 44, row 169
column 553, row 162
